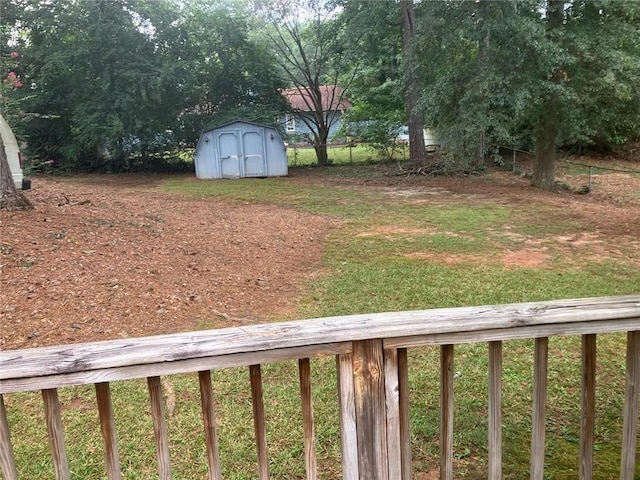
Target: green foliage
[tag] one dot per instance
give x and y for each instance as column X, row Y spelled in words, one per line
column 124, row 79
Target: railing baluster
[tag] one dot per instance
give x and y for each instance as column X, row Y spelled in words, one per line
column 446, row 412
column 108, row 428
column 159, row 428
column 631, row 399
column 259, row 421
column 588, row 407
column 495, row 410
column 405, row 430
column 304, row 368
column 368, row 369
column 56, row 436
column 7, row 461
column 209, row 420
column 392, row 393
column 346, row 402
column 539, row 410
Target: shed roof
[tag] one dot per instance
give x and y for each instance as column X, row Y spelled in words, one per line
column 256, row 124
column 333, row 98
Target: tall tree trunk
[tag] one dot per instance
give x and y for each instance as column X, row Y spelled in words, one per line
column 10, row 197
column 322, row 139
column 544, row 169
column 412, row 81
column 482, row 67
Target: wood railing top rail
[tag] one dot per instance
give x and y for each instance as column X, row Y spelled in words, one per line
column 180, row 352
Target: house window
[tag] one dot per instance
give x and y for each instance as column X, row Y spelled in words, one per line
column 290, row 123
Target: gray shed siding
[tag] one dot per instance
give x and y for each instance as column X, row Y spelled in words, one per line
column 240, row 149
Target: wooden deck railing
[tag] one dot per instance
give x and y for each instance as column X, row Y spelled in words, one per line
column 371, row 352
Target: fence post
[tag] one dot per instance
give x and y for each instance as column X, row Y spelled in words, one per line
column 368, row 372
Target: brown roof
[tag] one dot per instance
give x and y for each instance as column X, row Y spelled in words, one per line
column 332, row 98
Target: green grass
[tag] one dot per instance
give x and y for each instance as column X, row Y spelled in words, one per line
column 386, row 255
column 338, row 155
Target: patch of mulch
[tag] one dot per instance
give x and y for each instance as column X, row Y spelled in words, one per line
column 108, row 257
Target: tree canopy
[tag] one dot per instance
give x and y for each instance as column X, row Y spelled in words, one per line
column 94, row 84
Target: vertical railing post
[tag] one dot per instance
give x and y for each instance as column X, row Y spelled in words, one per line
column 160, row 431
column 631, row 400
column 368, row 371
column 108, row 428
column 446, row 412
column 495, row 410
column 588, row 407
column 308, row 425
column 209, row 420
column 7, row 461
column 346, row 403
column 392, row 392
column 405, row 430
column 56, row 436
column 259, row 421
column 539, row 410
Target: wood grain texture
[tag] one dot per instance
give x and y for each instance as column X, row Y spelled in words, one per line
column 259, row 421
column 631, row 408
column 346, row 404
column 159, row 428
column 169, row 368
column 446, row 412
column 7, row 460
column 108, row 429
column 539, row 410
column 587, row 407
column 56, row 435
column 495, row 410
column 368, row 374
column 209, row 419
column 308, row 425
column 271, row 336
column 392, row 394
column 405, row 424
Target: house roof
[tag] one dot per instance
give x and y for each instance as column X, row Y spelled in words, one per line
column 332, row 98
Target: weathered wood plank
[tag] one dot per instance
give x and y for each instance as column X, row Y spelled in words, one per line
column 169, row 368
column 346, row 403
column 446, row 412
column 392, row 394
column 209, row 420
column 514, row 333
column 539, row 410
column 495, row 410
column 631, row 408
column 270, row 336
column 405, row 429
column 56, row 435
column 368, row 371
column 308, row 426
column 7, row 460
column 259, row 421
column 159, row 428
column 108, row 428
column 588, row 407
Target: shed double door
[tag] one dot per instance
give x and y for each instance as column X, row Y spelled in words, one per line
column 242, row 153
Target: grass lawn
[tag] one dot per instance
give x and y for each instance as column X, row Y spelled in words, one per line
column 390, row 253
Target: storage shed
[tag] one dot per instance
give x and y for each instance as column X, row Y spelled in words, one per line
column 12, row 151
column 241, row 149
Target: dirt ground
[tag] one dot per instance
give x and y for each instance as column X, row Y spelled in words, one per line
column 105, row 257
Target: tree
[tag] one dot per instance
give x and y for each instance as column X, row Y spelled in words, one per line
column 309, row 48
column 10, row 197
column 548, row 121
column 415, row 119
